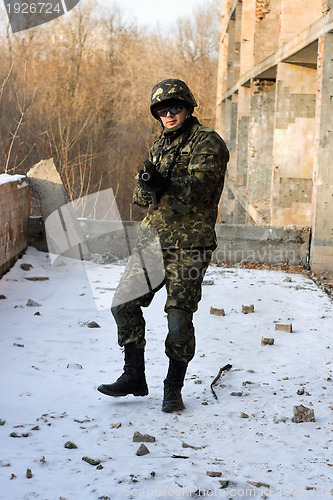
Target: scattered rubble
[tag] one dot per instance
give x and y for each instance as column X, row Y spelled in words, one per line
column 37, row 278
column 324, row 280
column 185, row 445
column 258, row 484
column 93, row 324
column 284, row 328
column 212, row 473
column 26, row 267
column 248, row 309
column 142, row 450
column 91, row 461
column 70, row 445
column 217, row 312
column 116, row 426
column 303, row 414
column 15, row 435
column 267, row 341
column 33, row 303
column 143, row 438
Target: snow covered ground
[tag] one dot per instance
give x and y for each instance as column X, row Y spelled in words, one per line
column 52, row 363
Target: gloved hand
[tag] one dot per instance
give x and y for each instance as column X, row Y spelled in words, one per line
column 152, row 180
column 146, row 197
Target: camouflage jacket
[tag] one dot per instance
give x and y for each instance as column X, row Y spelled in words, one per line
column 196, row 162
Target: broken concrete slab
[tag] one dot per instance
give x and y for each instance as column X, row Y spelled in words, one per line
column 47, row 187
column 303, row 414
column 64, row 235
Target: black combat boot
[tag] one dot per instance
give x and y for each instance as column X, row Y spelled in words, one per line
column 173, row 384
column 133, row 380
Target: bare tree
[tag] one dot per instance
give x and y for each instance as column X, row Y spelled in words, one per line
column 78, row 90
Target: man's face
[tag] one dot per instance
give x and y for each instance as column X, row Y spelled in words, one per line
column 172, row 114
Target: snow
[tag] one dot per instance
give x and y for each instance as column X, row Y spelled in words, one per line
column 4, row 178
column 52, row 364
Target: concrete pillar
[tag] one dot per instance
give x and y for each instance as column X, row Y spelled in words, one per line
column 230, row 56
column 239, row 214
column 247, row 38
column 223, row 63
column 244, row 105
column 261, row 132
column 223, row 128
column 293, row 145
column 322, row 238
column 237, row 41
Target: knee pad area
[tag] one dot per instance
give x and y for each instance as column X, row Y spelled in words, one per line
column 126, row 315
column 180, row 326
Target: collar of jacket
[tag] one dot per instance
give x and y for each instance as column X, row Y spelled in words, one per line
column 170, row 137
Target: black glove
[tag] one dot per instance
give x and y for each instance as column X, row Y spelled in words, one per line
column 152, row 180
column 146, row 197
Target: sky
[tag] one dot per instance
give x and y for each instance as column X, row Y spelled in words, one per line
column 150, row 12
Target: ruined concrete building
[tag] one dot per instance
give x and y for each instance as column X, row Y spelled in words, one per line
column 275, row 110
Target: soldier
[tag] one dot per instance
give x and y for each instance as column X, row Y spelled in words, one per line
column 181, row 186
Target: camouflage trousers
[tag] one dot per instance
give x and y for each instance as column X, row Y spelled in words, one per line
column 181, row 272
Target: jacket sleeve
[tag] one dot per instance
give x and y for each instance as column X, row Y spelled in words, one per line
column 205, row 171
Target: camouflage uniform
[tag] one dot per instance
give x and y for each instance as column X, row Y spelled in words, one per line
column 195, row 160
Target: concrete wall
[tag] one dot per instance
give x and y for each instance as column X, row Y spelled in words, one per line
column 296, row 16
column 262, row 244
column 236, row 243
column 267, row 21
column 293, row 145
column 14, row 212
column 261, row 134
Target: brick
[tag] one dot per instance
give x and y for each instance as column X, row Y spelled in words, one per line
column 217, row 312
column 284, row 328
column 248, row 309
column 267, row 341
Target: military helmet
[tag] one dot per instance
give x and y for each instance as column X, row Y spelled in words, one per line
column 170, row 89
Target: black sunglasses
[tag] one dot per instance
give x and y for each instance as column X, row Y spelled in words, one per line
column 174, row 110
